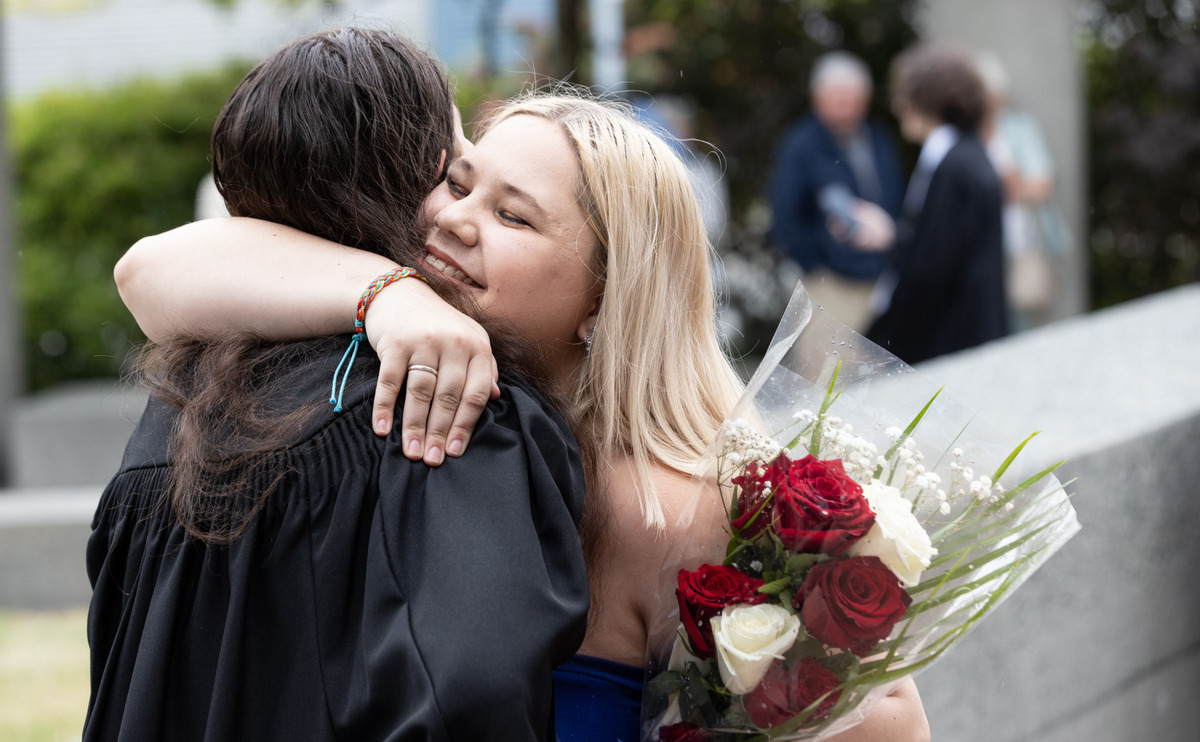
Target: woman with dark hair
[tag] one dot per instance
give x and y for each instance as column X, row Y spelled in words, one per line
column 945, row 289
column 264, row 565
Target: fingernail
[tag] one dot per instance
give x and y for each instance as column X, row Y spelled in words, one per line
column 381, row 425
column 414, row 448
column 455, row 447
column 434, row 455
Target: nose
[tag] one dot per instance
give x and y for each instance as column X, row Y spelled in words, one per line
column 456, row 218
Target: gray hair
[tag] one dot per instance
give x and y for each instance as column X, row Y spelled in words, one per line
column 993, row 73
column 839, row 67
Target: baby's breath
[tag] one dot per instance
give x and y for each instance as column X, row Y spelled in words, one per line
column 743, row 444
column 859, row 456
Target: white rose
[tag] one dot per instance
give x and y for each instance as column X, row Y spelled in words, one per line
column 897, row 537
column 749, row 638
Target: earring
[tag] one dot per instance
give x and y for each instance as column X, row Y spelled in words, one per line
column 587, row 340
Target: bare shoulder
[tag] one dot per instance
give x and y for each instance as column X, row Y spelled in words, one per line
column 690, row 505
column 634, row 579
column 693, row 530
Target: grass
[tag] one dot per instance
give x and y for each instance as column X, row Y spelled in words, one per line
column 43, row 675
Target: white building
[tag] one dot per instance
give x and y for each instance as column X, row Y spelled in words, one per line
column 92, row 43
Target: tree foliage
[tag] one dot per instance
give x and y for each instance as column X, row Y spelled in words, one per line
column 1143, row 63
column 96, row 171
column 745, row 65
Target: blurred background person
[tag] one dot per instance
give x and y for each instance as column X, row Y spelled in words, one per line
column 944, row 290
column 1036, row 235
column 836, row 190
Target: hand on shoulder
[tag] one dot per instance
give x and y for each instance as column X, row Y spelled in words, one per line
column 447, row 359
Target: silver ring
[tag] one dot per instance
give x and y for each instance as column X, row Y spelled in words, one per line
column 426, row 369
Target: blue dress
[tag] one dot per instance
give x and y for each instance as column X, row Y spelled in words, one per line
column 597, row 700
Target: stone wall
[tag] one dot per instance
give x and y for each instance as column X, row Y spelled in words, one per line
column 43, row 535
column 1103, row 643
column 72, row 435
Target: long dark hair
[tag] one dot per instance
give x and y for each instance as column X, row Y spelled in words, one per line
column 339, row 134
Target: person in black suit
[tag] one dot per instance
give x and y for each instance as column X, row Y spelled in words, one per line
column 944, row 291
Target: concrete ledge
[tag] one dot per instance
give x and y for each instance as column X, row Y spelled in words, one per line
column 48, row 506
column 1116, row 609
column 43, row 537
column 1103, row 643
column 1088, row 382
column 1160, row 705
column 72, row 435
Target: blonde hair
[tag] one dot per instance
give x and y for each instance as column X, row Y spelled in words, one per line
column 655, row 385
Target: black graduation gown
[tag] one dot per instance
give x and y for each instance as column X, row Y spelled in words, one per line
column 373, row 598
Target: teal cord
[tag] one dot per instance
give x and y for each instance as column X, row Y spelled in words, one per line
column 335, row 392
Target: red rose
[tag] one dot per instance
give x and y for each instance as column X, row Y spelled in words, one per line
column 819, row 509
column 703, row 593
column 682, row 732
column 851, row 603
column 783, row 694
column 757, row 481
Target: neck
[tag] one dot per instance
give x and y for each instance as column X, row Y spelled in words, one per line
column 563, row 371
column 844, row 133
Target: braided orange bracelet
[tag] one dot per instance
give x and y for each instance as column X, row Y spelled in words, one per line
column 336, row 392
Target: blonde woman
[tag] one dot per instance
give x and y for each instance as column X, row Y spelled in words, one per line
column 575, row 224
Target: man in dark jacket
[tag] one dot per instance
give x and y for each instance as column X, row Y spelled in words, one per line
column 836, row 189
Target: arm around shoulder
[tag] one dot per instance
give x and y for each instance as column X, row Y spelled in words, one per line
column 217, row 277
column 213, row 277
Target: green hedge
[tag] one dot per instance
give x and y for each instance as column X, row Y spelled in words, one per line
column 94, row 172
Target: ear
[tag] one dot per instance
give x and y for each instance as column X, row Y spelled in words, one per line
column 590, row 319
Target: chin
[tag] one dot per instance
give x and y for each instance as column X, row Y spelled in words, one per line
column 455, row 293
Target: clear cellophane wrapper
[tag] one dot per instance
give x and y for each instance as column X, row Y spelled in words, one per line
column 866, row 523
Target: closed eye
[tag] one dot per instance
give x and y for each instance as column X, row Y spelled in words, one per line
column 512, row 218
column 455, row 188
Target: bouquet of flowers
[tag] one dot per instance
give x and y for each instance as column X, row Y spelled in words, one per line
column 853, row 558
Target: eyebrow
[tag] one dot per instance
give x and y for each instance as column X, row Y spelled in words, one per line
column 509, row 189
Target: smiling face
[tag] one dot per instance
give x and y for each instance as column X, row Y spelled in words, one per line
column 508, row 228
